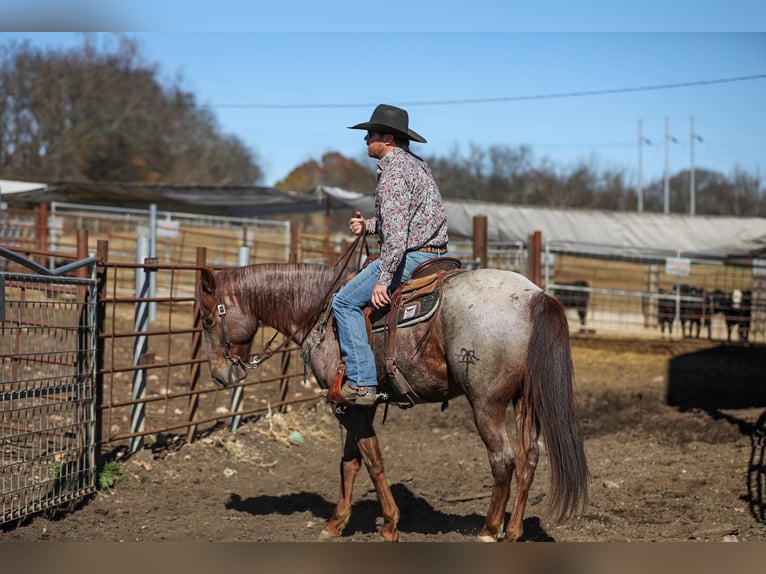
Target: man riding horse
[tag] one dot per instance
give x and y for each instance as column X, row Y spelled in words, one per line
column 411, row 223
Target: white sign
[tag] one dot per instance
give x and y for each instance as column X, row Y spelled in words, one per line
column 678, row 266
column 167, row 228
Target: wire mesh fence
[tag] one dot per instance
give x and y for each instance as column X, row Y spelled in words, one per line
column 649, row 293
column 47, row 392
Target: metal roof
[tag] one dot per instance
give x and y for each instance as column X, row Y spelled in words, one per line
column 705, row 235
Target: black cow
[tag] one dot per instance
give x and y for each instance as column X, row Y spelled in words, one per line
column 575, row 298
column 694, row 310
column 666, row 310
column 736, row 307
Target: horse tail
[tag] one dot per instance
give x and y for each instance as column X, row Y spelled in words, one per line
column 549, row 400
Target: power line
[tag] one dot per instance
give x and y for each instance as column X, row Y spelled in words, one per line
column 552, row 96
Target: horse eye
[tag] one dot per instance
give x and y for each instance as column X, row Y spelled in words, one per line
column 207, row 323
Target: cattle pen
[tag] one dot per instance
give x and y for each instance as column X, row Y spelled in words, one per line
column 142, row 388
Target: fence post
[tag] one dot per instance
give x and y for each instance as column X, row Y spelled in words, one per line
column 480, row 240
column 235, row 405
column 102, row 256
column 153, row 255
column 534, row 247
column 41, row 225
column 137, row 414
column 295, row 243
column 201, row 261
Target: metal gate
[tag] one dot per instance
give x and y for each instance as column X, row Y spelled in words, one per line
column 47, row 388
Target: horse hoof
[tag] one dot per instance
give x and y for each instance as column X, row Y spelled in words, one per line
column 486, row 538
column 326, row 536
column 389, row 537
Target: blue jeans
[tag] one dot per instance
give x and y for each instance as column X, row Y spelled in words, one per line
column 348, row 306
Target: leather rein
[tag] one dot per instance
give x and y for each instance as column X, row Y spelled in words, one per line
column 257, row 359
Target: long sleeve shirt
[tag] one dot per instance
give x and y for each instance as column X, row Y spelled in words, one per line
column 409, row 211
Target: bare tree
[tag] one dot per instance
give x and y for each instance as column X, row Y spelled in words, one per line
column 102, row 114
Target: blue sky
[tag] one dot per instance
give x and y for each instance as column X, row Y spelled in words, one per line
column 290, row 95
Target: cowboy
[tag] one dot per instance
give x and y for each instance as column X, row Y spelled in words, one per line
column 411, row 224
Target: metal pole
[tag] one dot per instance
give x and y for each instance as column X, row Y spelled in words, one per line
column 235, row 404
column 692, row 180
column 153, row 255
column 140, row 346
column 691, row 170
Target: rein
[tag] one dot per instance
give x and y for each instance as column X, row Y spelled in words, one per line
column 258, row 358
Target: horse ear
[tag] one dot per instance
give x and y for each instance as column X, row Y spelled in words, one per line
column 207, row 281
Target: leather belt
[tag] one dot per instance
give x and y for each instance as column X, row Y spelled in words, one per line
column 431, row 249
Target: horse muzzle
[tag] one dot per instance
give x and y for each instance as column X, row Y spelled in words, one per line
column 229, row 374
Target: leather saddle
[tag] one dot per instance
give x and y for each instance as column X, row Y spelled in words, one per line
column 413, row 302
column 416, row 300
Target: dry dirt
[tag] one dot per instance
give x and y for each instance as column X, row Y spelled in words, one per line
column 674, row 435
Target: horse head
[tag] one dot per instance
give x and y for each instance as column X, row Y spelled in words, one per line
column 228, row 331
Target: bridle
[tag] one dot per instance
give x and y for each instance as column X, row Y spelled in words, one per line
column 258, row 358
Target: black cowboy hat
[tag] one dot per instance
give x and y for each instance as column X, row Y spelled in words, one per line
column 390, row 119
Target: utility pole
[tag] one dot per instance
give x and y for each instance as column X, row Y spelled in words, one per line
column 692, row 192
column 668, row 138
column 641, row 141
column 640, row 166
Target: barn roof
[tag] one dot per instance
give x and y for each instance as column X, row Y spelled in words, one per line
column 239, row 201
column 708, row 235
column 705, row 235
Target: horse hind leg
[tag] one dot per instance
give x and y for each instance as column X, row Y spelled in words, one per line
column 527, row 456
column 490, row 422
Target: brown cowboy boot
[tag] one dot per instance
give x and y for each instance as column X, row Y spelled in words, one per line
column 362, row 396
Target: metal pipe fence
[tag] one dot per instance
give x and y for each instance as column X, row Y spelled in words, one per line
column 153, row 370
column 138, row 379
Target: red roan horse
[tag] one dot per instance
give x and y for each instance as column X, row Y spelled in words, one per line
column 496, row 338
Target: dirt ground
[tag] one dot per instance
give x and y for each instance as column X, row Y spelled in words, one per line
column 674, row 436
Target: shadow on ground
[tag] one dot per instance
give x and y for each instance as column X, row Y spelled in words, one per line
column 417, row 514
column 728, row 378
column 718, row 378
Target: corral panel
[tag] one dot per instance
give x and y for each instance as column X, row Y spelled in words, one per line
column 47, row 392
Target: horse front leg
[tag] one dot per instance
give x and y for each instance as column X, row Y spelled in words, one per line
column 350, row 464
column 361, row 444
column 370, row 449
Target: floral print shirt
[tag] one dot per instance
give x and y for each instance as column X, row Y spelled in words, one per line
column 409, row 211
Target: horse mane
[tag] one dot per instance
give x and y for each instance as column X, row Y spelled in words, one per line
column 286, row 296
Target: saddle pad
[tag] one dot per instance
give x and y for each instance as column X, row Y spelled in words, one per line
column 414, row 311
